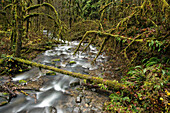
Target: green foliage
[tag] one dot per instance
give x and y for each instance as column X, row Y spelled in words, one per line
column 102, row 86
column 148, row 87
column 117, row 102
column 11, row 67
column 90, row 8
column 158, row 45
column 22, row 81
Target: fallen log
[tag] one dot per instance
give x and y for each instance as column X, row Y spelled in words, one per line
column 115, row 85
column 1, row 61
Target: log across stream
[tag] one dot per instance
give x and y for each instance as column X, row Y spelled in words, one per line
column 53, row 95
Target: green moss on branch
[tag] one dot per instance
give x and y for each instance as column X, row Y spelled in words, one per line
column 111, row 84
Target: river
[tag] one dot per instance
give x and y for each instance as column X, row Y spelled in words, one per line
column 54, row 94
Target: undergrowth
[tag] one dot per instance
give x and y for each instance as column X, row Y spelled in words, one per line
column 148, row 86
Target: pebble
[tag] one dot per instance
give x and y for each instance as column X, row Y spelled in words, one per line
column 93, row 89
column 76, row 110
column 117, row 69
column 78, row 99
column 88, row 100
column 75, row 83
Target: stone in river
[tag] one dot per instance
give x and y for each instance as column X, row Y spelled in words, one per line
column 78, row 99
column 76, row 110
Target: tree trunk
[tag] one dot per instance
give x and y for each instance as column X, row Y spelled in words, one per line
column 28, row 22
column 19, row 23
column 115, row 85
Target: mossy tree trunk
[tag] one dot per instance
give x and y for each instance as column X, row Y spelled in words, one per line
column 19, row 27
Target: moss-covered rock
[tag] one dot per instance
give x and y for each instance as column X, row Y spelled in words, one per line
column 58, row 66
column 3, row 103
column 55, row 60
column 4, row 98
column 72, row 62
column 51, row 73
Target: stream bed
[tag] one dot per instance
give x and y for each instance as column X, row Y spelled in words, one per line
column 51, row 92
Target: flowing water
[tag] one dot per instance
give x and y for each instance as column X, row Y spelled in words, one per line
column 52, row 96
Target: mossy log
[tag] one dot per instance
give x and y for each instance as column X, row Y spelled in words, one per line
column 1, row 61
column 115, row 85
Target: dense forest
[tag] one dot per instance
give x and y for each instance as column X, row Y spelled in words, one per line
column 133, row 34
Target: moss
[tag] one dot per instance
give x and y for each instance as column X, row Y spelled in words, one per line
column 22, row 81
column 50, row 73
column 53, row 63
column 72, row 62
column 3, row 103
column 111, row 84
column 57, row 66
column 5, row 94
column 55, row 60
column 1, row 61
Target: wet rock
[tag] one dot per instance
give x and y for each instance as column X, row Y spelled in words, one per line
column 51, row 109
column 94, row 110
column 58, row 66
column 78, row 99
column 75, row 83
column 3, row 101
column 93, row 89
column 76, row 110
column 4, row 94
column 86, row 110
column 4, row 98
column 86, row 105
column 23, row 82
column 69, row 109
column 55, row 60
column 72, row 62
column 69, row 64
column 117, row 68
column 81, row 94
column 37, row 110
column 88, row 100
column 53, row 63
column 51, row 73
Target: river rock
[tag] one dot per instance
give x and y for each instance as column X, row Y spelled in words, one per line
column 76, row 110
column 58, row 66
column 74, row 83
column 72, row 62
column 55, row 60
column 78, row 99
column 51, row 73
column 88, row 100
column 93, row 89
column 94, row 110
column 37, row 110
column 3, row 101
column 117, row 68
column 86, row 110
column 51, row 109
